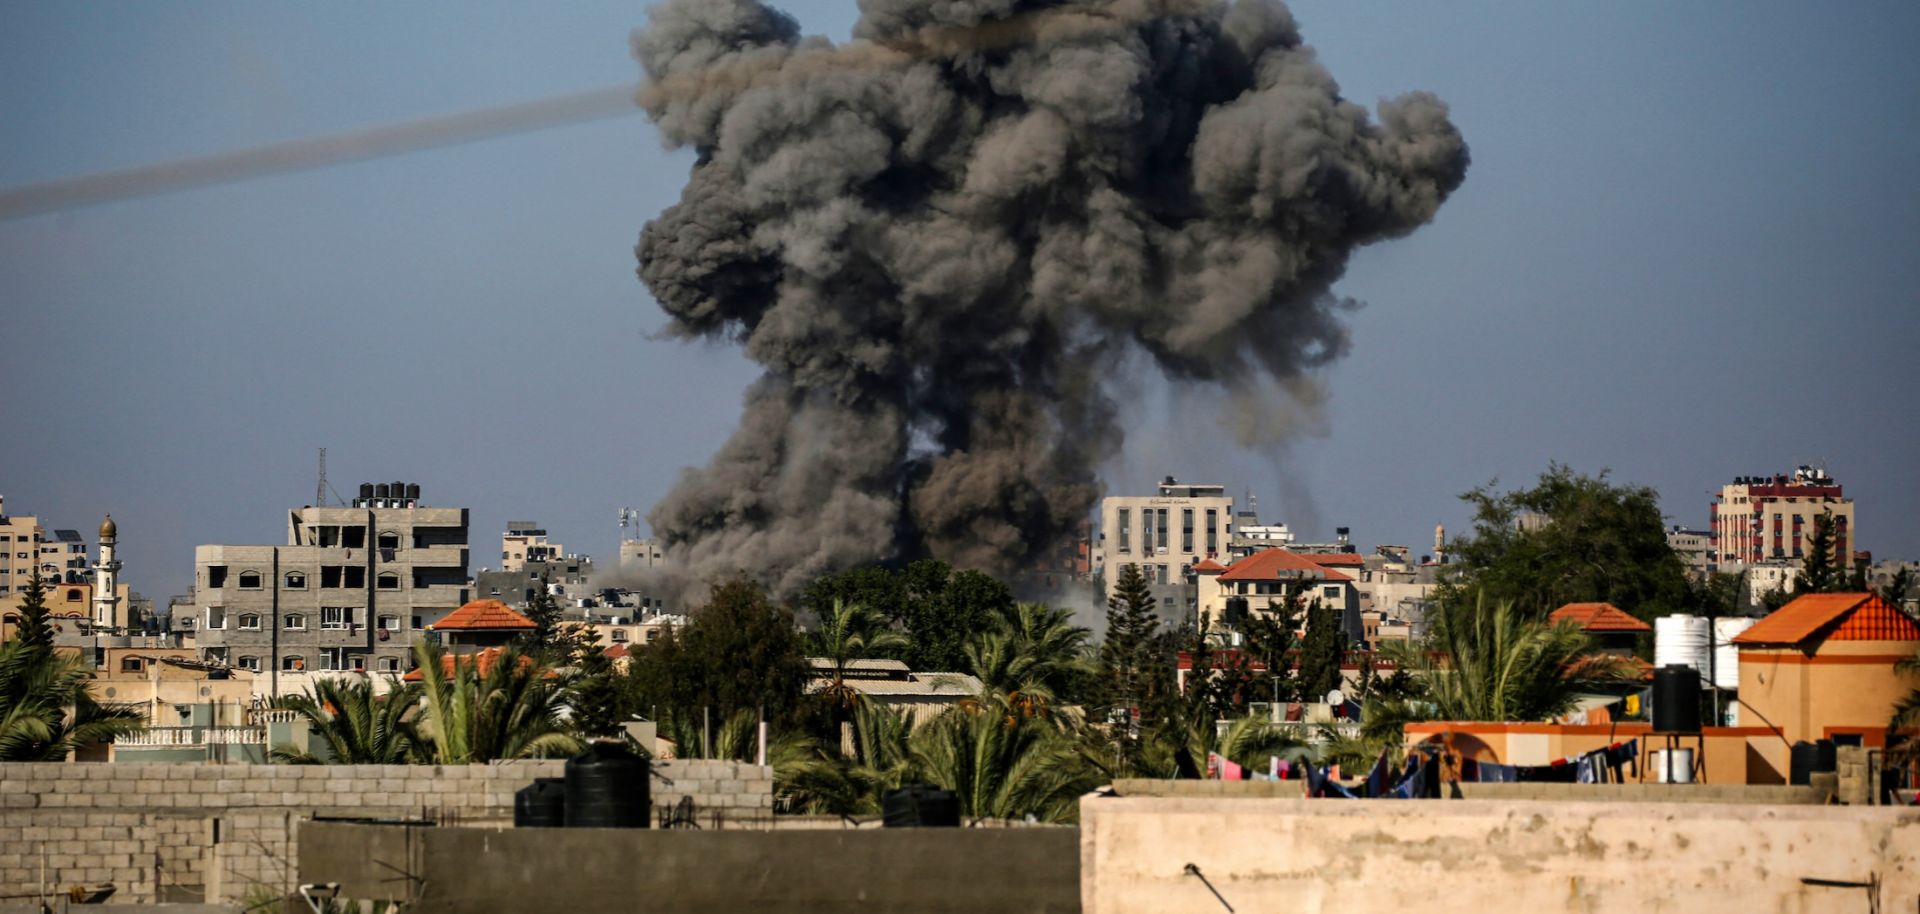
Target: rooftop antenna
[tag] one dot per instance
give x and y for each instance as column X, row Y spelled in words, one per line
column 322, row 487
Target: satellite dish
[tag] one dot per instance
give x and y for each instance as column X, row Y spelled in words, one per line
column 1336, row 697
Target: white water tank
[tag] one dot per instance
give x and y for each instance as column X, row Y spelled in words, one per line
column 1681, row 640
column 1726, row 657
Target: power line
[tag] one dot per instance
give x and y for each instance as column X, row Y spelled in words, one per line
column 317, row 152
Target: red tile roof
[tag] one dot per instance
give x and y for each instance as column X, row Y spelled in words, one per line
column 1832, row 616
column 1275, row 564
column 1599, row 617
column 1208, row 566
column 1349, row 559
column 483, row 615
column 616, row 651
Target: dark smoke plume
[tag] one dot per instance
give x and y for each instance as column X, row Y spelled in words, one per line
column 942, row 238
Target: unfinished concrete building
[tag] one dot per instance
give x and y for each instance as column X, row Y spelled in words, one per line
column 350, row 591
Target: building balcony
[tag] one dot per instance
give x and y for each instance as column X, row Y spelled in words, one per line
column 167, row 737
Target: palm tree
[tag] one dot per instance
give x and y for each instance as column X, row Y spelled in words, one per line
column 356, row 726
column 1003, row 764
column 1035, row 655
column 1501, row 664
column 46, row 712
column 510, row 709
column 849, row 632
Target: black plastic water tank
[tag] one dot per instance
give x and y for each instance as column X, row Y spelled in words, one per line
column 380, row 490
column 1676, row 699
column 1801, row 761
column 607, row 788
column 413, row 491
column 920, row 806
column 366, row 491
column 541, row 804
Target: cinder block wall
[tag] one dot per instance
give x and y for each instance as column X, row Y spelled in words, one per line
column 212, row 832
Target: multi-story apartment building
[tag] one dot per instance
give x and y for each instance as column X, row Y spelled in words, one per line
column 1695, row 548
column 1771, row 518
column 1166, row 534
column 350, row 590
column 642, row 553
column 20, row 541
column 526, row 541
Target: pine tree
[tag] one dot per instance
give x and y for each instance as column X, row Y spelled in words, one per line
column 1321, row 652
column 33, row 628
column 1819, row 573
column 544, row 611
column 1129, row 647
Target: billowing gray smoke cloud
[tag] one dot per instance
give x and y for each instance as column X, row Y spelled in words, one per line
column 941, row 238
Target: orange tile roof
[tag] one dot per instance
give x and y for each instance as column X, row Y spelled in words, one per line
column 616, row 651
column 1832, row 616
column 1599, row 617
column 483, row 662
column 1352, row 559
column 1208, row 566
column 483, row 615
column 1274, row 564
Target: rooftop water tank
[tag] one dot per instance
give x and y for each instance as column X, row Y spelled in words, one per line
column 607, row 788
column 541, row 804
column 1726, row 657
column 1676, row 699
column 1681, row 640
column 920, row 806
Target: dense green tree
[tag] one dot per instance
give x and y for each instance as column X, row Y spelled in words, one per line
column 937, row 608
column 1485, row 662
column 1004, row 764
column 1321, row 652
column 33, row 627
column 1903, row 726
column 353, row 725
column 1895, row 591
column 510, row 709
column 46, row 710
column 544, row 611
column 738, row 652
column 1568, row 538
column 1271, row 640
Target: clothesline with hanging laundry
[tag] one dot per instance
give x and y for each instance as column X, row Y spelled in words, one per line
column 1607, row 765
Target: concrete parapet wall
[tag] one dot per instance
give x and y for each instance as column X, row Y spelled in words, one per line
column 209, row 832
column 585, row 871
column 1485, row 855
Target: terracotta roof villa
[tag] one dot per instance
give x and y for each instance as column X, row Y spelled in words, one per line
column 1609, row 625
column 1821, row 666
column 481, row 624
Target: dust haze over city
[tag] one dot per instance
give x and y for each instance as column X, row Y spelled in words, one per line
column 726, row 290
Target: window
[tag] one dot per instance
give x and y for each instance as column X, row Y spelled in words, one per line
column 248, row 662
column 1126, row 532
column 296, row 580
column 216, row 576
column 293, row 622
column 417, row 624
column 618, row 636
column 1146, row 531
column 1160, row 530
column 249, row 580
column 329, row 576
column 356, row 578
column 1331, row 591
column 353, row 537
column 73, row 595
column 333, row 617
column 1186, row 529
column 130, row 664
column 216, row 618
column 249, row 622
column 330, row 658
column 1213, row 531
column 389, row 540
column 389, row 582
column 387, row 664
column 293, row 663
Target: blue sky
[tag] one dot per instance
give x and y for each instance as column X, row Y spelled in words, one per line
column 1686, row 251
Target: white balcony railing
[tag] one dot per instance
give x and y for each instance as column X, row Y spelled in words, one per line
column 195, row 736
